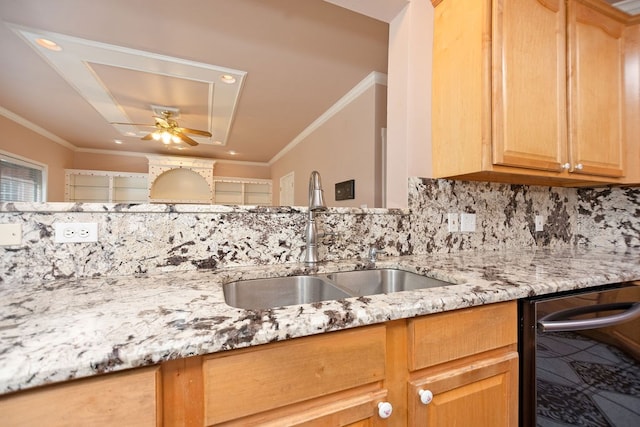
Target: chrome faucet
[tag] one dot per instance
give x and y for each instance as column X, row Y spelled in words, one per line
column 373, row 254
column 316, row 203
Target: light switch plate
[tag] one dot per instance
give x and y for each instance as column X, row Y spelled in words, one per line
column 10, row 234
column 539, row 223
column 453, row 222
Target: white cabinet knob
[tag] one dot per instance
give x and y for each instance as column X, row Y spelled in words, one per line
column 425, row 396
column 565, row 166
column 578, row 166
column 385, row 409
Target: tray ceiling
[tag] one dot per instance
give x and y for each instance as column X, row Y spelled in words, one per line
column 292, row 61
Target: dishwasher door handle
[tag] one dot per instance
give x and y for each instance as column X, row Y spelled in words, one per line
column 560, row 321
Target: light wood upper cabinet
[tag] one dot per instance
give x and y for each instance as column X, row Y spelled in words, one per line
column 529, row 91
column 529, row 84
column 596, row 84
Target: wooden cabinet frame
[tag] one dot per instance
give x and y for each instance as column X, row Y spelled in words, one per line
column 511, row 93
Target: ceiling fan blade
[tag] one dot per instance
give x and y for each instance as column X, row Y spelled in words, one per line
column 186, row 139
column 195, row 131
column 133, row 124
column 147, row 137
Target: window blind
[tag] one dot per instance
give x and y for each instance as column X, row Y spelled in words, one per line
column 20, row 181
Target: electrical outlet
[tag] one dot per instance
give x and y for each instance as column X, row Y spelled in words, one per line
column 453, row 222
column 75, row 232
column 10, row 234
column 467, row 222
column 539, row 223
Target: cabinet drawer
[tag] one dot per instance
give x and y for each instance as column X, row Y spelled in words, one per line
column 276, row 375
column 442, row 337
column 122, row 399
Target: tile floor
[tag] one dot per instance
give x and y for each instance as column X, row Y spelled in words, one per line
column 582, row 382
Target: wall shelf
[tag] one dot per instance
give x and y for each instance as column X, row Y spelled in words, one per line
column 242, row 191
column 94, row 186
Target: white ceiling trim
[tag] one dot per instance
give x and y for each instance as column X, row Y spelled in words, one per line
column 73, row 64
column 373, row 78
column 382, row 10
column 37, row 129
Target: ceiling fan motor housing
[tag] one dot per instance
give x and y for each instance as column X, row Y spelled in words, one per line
column 161, row 110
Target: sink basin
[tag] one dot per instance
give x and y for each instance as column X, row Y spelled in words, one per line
column 292, row 290
column 280, row 291
column 383, row 281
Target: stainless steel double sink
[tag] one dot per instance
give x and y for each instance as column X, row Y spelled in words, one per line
column 305, row 289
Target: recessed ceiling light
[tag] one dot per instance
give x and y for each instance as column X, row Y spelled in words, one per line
column 233, row 153
column 117, row 141
column 228, row 79
column 48, row 44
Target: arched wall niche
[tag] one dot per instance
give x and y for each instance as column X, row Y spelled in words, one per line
column 180, row 179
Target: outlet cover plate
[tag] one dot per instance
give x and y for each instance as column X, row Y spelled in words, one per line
column 75, row 232
column 468, row 222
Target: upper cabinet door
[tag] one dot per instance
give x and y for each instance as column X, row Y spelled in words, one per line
column 529, row 84
column 596, row 67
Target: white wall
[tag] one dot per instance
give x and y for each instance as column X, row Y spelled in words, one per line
column 346, row 146
column 409, row 99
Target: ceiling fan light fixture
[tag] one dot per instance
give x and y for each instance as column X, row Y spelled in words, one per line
column 166, row 137
column 176, row 139
column 156, row 136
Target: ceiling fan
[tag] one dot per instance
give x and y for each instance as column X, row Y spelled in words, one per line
column 168, row 130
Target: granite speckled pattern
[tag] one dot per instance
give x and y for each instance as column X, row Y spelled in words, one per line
column 136, row 239
column 67, row 329
column 150, row 289
column 505, row 215
column 609, row 217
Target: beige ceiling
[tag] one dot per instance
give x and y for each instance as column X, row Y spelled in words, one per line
column 300, row 57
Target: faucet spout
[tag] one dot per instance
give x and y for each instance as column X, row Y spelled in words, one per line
column 316, row 203
column 316, row 194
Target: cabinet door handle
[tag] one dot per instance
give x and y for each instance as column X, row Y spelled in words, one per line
column 565, row 166
column 426, row 396
column 385, row 409
column 578, row 167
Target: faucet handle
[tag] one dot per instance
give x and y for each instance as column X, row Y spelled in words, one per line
column 328, row 234
column 374, row 252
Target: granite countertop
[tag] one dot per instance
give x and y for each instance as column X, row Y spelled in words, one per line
column 61, row 330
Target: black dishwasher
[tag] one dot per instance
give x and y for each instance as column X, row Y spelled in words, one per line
column 580, row 358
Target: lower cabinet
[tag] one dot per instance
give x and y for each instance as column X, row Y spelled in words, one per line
column 466, row 360
column 331, row 379
column 462, row 364
column 464, row 368
column 119, row 399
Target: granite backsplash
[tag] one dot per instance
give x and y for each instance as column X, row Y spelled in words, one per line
column 159, row 238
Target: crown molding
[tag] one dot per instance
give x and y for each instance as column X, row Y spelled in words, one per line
column 374, row 78
column 35, row 128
